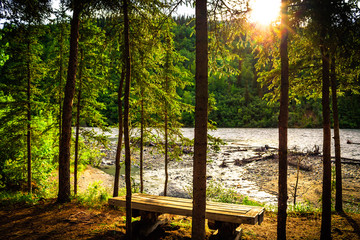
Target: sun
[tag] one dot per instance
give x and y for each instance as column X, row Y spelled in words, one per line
column 264, row 12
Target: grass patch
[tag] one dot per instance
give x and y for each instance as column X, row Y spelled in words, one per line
column 15, row 198
column 94, row 197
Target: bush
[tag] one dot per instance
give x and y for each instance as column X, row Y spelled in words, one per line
column 95, row 195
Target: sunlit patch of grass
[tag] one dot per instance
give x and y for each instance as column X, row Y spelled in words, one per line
column 12, row 198
column 217, row 192
column 300, row 209
column 245, row 200
column 182, row 223
column 303, row 208
column 249, row 234
column 133, row 219
column 95, row 196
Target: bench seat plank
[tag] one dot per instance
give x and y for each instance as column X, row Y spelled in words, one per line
column 223, row 212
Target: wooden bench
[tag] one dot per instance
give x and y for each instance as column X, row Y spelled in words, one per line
column 224, row 217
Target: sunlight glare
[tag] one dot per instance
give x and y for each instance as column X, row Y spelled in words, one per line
column 265, row 12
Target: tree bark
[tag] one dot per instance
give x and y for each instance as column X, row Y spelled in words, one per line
column 64, row 159
column 119, row 145
column 28, row 135
column 126, row 120
column 326, row 194
column 166, row 146
column 201, row 120
column 142, row 141
column 338, row 198
column 60, row 80
column 283, row 124
column 166, row 117
column 77, row 131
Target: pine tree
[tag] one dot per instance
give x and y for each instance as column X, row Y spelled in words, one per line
column 283, row 123
column 201, row 121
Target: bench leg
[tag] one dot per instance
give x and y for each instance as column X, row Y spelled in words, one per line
column 226, row 231
column 148, row 223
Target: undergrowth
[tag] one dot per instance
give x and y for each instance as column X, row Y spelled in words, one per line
column 217, row 192
column 15, row 198
column 94, row 197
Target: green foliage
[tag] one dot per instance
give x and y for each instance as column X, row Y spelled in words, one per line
column 93, row 64
column 217, row 192
column 215, row 143
column 246, row 201
column 14, row 198
column 95, row 196
column 91, row 144
column 349, row 111
column 182, row 223
column 303, row 208
column 13, row 157
column 3, row 56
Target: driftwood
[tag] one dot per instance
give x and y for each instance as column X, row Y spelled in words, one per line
column 348, row 161
column 350, row 142
column 273, row 155
column 244, row 161
column 241, row 162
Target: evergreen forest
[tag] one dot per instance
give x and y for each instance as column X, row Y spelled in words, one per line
column 135, row 66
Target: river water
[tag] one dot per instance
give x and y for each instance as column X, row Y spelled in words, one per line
column 302, row 138
column 181, row 172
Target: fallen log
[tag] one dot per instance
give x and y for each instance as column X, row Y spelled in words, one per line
column 241, row 162
column 346, row 160
column 350, row 142
column 244, row 161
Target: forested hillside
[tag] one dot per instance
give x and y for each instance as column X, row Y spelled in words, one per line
column 240, row 95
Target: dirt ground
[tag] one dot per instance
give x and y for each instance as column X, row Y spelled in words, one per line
column 49, row 220
column 308, row 184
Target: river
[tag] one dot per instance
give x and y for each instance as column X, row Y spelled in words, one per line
column 235, row 177
column 301, row 138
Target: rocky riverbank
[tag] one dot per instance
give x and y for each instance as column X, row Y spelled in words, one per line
column 256, row 179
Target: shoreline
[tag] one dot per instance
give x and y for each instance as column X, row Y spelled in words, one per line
column 256, row 180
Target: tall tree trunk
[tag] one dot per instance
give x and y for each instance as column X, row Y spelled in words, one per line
column 338, row 199
column 64, row 159
column 126, row 120
column 61, row 71
column 283, row 124
column 142, row 141
column 201, row 120
column 166, row 146
column 78, row 124
column 28, row 135
column 326, row 194
column 118, row 149
column 166, row 117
